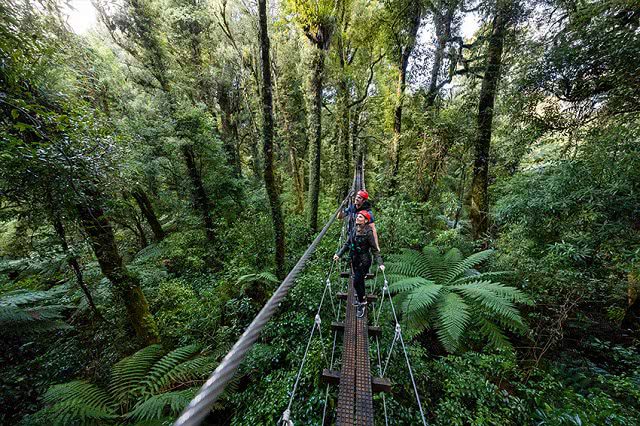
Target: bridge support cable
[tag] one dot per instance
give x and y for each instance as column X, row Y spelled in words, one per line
column 398, row 337
column 286, row 415
column 341, row 240
column 376, row 323
column 201, row 404
column 316, row 325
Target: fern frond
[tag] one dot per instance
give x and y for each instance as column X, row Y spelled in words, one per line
column 453, row 318
column 13, row 314
column 404, row 263
column 466, row 264
column 23, row 297
column 79, row 402
column 421, row 298
column 432, row 265
column 164, row 404
column 267, row 277
column 453, row 256
column 185, row 372
column 407, row 284
column 158, row 375
column 512, row 294
column 393, row 278
column 473, row 275
column 127, row 374
column 492, row 332
column 483, row 293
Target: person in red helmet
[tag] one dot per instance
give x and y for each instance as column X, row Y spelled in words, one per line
column 360, row 203
column 361, row 246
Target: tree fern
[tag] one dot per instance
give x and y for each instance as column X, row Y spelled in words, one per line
column 148, row 385
column 447, row 293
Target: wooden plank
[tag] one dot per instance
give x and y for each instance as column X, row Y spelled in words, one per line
column 347, row 274
column 339, row 326
column 345, row 412
column 364, row 394
column 344, row 296
column 330, row 377
column 381, row 384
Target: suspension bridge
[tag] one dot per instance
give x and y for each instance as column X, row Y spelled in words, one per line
column 355, row 380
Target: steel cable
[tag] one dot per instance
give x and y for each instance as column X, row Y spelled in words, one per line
column 200, row 405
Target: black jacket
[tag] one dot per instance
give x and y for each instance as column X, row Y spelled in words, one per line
column 361, row 245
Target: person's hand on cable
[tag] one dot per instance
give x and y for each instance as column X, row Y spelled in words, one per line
column 336, row 257
column 382, row 268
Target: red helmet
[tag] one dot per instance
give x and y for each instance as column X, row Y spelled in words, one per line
column 364, row 194
column 365, row 214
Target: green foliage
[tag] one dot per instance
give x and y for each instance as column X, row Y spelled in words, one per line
column 148, row 385
column 445, row 292
column 28, row 312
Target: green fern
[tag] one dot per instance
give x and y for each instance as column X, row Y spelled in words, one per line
column 263, row 277
column 149, row 385
column 28, row 312
column 445, row 292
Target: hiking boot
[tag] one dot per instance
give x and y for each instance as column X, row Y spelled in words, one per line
column 362, row 308
column 356, row 302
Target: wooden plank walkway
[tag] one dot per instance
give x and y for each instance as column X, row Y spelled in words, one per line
column 355, row 401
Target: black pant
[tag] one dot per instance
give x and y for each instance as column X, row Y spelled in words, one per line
column 360, row 269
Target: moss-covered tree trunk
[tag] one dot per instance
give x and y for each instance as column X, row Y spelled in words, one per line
column 479, row 185
column 315, row 135
column 267, row 142
column 125, row 284
column 343, row 177
column 72, row 260
column 201, row 200
column 149, row 213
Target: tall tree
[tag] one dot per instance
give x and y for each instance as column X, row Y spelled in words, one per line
column 480, row 182
column 267, row 141
column 136, row 29
column 317, row 21
column 405, row 42
column 443, row 13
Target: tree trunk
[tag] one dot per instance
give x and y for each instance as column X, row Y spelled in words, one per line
column 126, row 285
column 342, row 118
column 267, row 140
column 479, row 185
column 142, row 237
column 403, row 62
column 200, row 198
column 229, row 127
column 463, row 178
column 149, row 213
column 74, row 265
column 631, row 318
column 315, row 136
column 443, row 34
column 298, row 178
